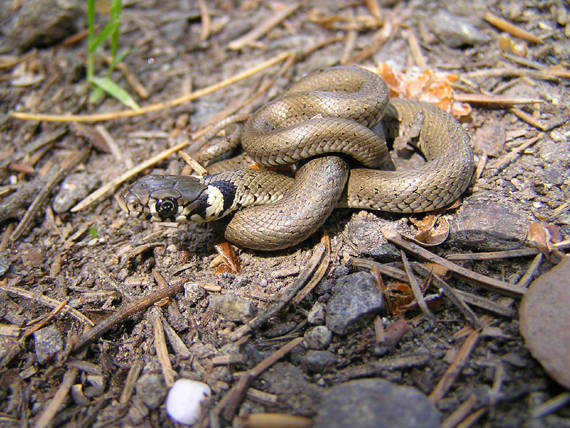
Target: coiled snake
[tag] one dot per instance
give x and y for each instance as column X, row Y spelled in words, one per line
column 324, row 117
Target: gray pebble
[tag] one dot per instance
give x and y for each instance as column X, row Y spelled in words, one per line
column 231, row 307
column 318, row 337
column 193, row 292
column 375, row 403
column 455, row 31
column 4, row 264
column 47, row 343
column 356, row 300
column 151, row 389
column 316, row 315
column 318, row 361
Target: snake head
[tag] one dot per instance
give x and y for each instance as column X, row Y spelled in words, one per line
column 163, row 197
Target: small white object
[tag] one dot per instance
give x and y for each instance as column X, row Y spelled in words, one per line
column 184, row 400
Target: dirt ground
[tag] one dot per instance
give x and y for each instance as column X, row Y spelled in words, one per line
column 68, row 266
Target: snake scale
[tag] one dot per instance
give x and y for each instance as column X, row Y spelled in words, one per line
column 326, row 118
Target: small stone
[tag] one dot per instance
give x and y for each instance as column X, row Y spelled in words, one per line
column 193, row 292
column 285, row 272
column 73, row 189
column 455, row 31
column 318, row 361
column 316, row 315
column 356, row 300
column 151, row 389
column 185, row 401
column 375, row 403
column 318, row 337
column 231, row 307
column 47, row 343
column 4, row 264
column 386, row 253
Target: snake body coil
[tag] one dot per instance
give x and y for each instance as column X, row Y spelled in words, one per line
column 328, row 114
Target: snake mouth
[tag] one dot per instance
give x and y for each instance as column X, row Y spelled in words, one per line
column 133, row 206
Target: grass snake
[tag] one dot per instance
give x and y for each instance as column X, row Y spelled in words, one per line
column 326, row 118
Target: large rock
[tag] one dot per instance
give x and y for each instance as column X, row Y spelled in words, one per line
column 375, row 403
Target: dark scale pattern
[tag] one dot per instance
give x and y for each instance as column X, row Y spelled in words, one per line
column 228, row 190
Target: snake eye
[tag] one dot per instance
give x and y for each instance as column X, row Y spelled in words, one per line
column 167, row 208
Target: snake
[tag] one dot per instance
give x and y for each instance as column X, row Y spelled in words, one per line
column 324, row 123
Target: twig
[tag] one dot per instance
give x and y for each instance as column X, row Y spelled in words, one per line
column 374, row 9
column 265, row 26
column 55, row 403
column 218, row 125
column 511, row 72
column 472, row 418
column 205, row 17
column 452, row 294
column 484, row 303
column 350, row 43
column 494, row 100
column 46, row 139
column 129, row 386
column 513, row 30
column 380, row 38
column 551, row 405
column 509, row 157
column 493, row 255
column 160, row 346
column 454, row 369
column 126, row 312
column 42, row 196
column 193, row 163
column 415, row 287
column 524, row 61
column 48, row 301
column 154, row 107
column 527, row 118
column 32, row 329
column 460, row 413
column 229, row 403
column 529, row 274
column 285, row 296
column 322, row 44
column 377, row 367
column 131, row 79
column 415, row 49
column 319, row 273
column 176, row 343
column 492, row 283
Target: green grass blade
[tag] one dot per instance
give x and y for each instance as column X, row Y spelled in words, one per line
column 90, row 38
column 115, row 91
column 105, row 33
column 116, row 9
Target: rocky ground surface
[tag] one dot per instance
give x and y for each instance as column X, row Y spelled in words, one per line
column 353, row 350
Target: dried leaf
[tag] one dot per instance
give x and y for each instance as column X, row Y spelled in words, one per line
column 432, row 231
column 426, row 86
column 540, row 236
